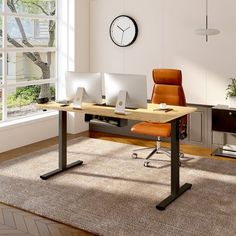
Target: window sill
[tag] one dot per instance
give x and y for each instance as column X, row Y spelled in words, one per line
column 28, row 120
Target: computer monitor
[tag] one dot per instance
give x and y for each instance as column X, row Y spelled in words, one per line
column 125, row 91
column 83, row 87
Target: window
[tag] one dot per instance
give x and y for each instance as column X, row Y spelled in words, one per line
column 28, row 55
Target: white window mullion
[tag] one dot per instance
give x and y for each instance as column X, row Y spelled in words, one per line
column 28, row 83
column 4, row 104
column 56, row 54
column 4, row 23
column 4, row 43
column 28, row 16
column 28, row 49
column 4, row 62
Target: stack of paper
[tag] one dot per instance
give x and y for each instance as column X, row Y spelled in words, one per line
column 229, row 149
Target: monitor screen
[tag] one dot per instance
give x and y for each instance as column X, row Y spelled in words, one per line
column 135, row 87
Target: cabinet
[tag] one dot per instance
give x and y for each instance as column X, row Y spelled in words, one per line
column 199, row 127
column 224, row 120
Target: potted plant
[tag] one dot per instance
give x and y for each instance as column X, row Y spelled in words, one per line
column 231, row 93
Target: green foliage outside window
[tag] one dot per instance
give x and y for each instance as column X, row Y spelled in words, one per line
column 25, row 96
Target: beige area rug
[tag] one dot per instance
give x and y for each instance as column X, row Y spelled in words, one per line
column 112, row 194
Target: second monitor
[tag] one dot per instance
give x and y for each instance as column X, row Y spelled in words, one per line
column 125, row 90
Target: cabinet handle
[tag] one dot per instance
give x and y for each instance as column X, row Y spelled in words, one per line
column 230, row 113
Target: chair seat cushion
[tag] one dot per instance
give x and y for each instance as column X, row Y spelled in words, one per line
column 152, row 129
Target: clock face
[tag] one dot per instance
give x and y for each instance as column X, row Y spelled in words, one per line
column 123, row 31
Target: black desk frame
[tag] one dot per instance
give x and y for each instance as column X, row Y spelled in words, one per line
column 62, row 140
column 176, row 190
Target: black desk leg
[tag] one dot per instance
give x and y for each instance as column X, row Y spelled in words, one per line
column 176, row 191
column 62, row 163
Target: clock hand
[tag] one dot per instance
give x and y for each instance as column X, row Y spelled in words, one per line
column 120, row 28
column 127, row 28
column 122, row 37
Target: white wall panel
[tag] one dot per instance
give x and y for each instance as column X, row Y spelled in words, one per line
column 182, row 48
column 221, row 50
column 104, row 56
column 146, row 53
column 81, row 29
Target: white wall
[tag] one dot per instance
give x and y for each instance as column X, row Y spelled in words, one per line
column 82, row 35
column 27, row 132
column 167, row 40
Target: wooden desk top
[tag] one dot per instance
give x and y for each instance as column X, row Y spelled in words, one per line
column 138, row 114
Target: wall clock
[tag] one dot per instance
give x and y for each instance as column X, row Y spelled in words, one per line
column 123, row 31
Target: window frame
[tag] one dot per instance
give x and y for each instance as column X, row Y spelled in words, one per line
column 4, row 50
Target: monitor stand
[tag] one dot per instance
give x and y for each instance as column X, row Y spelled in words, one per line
column 77, row 103
column 120, row 104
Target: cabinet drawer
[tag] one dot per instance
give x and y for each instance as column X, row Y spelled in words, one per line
column 224, row 120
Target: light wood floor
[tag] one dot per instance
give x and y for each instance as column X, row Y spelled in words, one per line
column 14, row 221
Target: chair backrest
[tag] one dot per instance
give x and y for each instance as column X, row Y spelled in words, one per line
column 168, row 87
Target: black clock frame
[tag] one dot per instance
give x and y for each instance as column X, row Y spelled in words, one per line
column 136, row 31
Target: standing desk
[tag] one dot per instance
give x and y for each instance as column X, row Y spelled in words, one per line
column 140, row 115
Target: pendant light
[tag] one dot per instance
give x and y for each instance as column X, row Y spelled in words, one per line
column 207, row 31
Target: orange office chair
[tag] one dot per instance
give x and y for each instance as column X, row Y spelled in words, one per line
column 167, row 89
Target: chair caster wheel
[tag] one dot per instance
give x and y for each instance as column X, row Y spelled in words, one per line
column 181, row 156
column 146, row 164
column 180, row 163
column 134, row 155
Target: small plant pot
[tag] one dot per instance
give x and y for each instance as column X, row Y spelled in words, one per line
column 42, row 100
column 232, row 102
